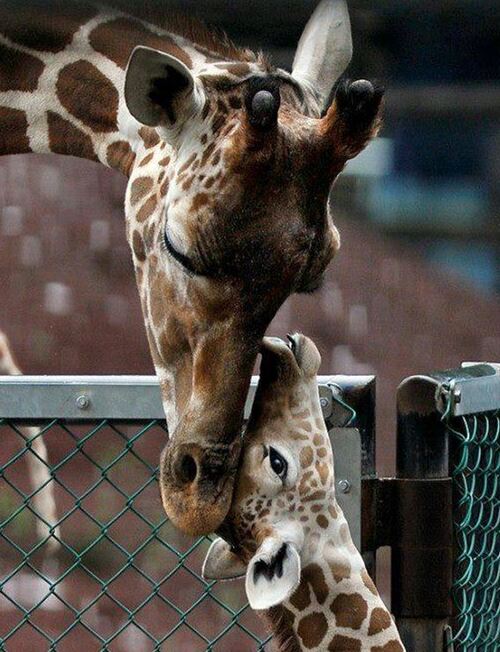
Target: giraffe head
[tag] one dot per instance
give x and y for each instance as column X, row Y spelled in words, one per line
column 284, row 495
column 227, row 216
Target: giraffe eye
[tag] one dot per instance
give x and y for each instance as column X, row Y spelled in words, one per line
column 278, row 463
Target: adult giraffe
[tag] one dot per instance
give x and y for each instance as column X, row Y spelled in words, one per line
column 230, row 163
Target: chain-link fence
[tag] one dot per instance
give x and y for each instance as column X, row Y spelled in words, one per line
column 109, row 572
column 119, row 577
column 476, row 478
column 103, row 569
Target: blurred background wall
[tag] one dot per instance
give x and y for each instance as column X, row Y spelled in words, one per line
column 416, row 284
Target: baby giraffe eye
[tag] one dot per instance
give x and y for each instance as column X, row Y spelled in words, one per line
column 278, row 464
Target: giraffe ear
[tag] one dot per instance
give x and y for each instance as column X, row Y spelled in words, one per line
column 273, row 573
column 221, row 563
column 160, row 90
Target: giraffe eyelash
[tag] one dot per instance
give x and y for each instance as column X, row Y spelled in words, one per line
column 182, row 259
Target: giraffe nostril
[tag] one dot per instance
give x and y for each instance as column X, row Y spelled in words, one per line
column 187, row 469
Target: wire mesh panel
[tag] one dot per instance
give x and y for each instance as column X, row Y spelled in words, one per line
column 88, row 560
column 111, row 573
column 475, row 469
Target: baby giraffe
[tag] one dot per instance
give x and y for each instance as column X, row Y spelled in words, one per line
column 285, row 530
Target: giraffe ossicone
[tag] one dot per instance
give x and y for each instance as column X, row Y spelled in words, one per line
column 227, row 201
column 285, row 530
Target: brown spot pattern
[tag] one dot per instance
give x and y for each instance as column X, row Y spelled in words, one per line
column 207, row 154
column 13, row 124
column 306, row 457
column 88, row 95
column 120, row 156
column 147, row 210
column 160, row 297
column 116, row 39
column 140, row 188
column 18, row 71
column 368, row 582
column 146, row 159
column 164, row 188
column 304, row 485
column 149, row 137
column 187, row 164
column 391, row 646
column 301, row 598
column 379, row 620
column 149, row 235
column 341, row 569
column 332, row 511
column 312, row 629
column 280, row 621
column 138, row 246
column 187, row 184
column 65, row 138
column 341, row 643
column 313, row 574
column 323, row 471
column 317, row 495
column 200, row 200
column 218, row 123
column 344, row 533
column 55, row 25
column 322, row 521
column 350, row 610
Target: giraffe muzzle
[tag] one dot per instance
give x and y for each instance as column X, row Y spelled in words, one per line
column 196, row 484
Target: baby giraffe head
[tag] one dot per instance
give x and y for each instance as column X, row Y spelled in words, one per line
column 284, row 498
column 285, row 531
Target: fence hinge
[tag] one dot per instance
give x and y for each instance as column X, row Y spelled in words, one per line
column 414, row 518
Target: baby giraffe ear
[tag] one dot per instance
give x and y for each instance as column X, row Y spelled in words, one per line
column 160, row 90
column 273, row 573
column 221, row 563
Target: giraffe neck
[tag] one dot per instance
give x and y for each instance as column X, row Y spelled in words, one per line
column 62, row 69
column 336, row 607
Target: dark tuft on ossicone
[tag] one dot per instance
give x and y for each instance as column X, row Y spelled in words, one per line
column 263, row 102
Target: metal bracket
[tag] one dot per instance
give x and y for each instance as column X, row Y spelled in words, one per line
column 473, row 388
column 346, row 444
column 414, row 518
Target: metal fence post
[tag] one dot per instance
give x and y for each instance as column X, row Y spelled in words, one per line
column 422, row 558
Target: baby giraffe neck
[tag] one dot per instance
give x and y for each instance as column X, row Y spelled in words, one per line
column 336, row 607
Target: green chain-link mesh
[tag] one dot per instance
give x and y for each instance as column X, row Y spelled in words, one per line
column 121, row 579
column 476, row 587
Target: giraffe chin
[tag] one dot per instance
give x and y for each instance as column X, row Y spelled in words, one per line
column 194, row 498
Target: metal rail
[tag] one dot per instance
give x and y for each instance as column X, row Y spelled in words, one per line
column 125, row 398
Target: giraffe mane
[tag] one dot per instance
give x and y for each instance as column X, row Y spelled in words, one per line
column 190, row 27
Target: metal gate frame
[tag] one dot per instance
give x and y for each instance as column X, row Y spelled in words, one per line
column 423, row 514
column 348, row 405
